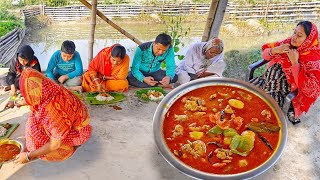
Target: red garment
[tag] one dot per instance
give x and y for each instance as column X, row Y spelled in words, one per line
column 309, row 75
column 101, row 63
column 55, row 113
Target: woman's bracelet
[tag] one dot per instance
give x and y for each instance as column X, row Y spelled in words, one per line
column 27, row 156
column 95, row 79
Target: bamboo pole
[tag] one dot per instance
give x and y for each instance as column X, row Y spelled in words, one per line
column 102, row 16
column 210, row 19
column 93, row 26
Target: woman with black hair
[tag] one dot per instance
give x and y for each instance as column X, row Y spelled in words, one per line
column 108, row 71
column 24, row 58
column 294, row 65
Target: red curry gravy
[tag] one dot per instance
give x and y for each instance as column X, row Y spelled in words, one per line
column 216, row 99
column 8, row 152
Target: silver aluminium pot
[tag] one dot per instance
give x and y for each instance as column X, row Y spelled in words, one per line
column 175, row 94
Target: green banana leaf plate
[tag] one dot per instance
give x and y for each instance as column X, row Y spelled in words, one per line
column 79, row 95
column 145, row 91
column 13, row 127
column 91, row 98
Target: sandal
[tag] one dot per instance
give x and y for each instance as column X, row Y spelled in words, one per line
column 294, row 120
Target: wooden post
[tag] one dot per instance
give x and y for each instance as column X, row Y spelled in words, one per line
column 211, row 14
column 217, row 17
column 102, row 16
column 93, row 26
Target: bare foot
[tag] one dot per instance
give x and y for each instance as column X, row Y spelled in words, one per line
column 76, row 88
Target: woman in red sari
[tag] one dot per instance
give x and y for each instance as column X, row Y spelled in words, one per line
column 59, row 121
column 294, row 65
column 108, row 71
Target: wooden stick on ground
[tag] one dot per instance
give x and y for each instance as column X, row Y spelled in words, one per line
column 102, row 16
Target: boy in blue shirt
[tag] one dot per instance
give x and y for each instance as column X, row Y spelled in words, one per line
column 65, row 65
column 145, row 69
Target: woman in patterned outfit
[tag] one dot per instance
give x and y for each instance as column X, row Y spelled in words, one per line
column 59, row 121
column 294, row 65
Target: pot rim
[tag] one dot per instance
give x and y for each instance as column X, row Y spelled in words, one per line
column 11, row 141
column 176, row 93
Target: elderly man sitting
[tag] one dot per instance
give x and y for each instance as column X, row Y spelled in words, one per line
column 202, row 59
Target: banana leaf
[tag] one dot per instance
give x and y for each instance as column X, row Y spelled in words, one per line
column 13, row 127
column 91, row 98
column 79, row 95
column 145, row 91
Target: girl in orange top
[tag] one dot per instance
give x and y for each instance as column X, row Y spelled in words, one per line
column 59, row 120
column 108, row 71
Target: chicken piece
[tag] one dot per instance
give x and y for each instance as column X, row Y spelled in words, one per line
column 180, row 118
column 178, row 131
column 266, row 113
column 196, row 148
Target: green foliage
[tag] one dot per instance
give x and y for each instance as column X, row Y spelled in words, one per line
column 5, row 4
column 176, row 31
column 8, row 26
column 238, row 62
column 56, row 3
column 115, row 1
column 8, row 22
column 6, row 16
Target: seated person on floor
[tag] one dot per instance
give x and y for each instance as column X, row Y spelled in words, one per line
column 58, row 122
column 294, row 65
column 65, row 66
column 108, row 71
column 145, row 69
column 202, row 59
column 24, row 58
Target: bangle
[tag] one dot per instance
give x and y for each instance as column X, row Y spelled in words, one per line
column 270, row 54
column 27, row 156
column 95, row 79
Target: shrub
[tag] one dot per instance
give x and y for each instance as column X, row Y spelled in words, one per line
column 8, row 26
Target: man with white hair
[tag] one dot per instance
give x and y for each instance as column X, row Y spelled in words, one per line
column 202, row 59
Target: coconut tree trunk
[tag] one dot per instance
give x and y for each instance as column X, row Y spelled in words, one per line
column 93, row 27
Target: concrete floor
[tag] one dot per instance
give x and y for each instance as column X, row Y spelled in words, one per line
column 122, row 147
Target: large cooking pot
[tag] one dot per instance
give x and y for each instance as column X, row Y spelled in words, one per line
column 175, row 94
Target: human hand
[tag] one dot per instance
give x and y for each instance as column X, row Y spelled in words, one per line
column 206, row 74
column 165, row 81
column 12, row 90
column 283, row 48
column 99, row 87
column 10, row 104
column 63, row 78
column 293, row 56
column 150, row 81
column 21, row 158
column 20, row 102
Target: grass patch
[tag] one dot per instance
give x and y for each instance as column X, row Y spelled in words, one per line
column 238, row 62
column 8, row 26
column 8, row 22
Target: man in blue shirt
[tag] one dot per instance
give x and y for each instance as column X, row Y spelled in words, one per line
column 145, row 69
column 65, row 65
